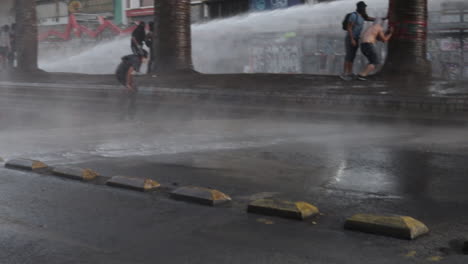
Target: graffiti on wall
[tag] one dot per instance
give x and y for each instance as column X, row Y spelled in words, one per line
column 275, row 57
column 74, row 28
column 260, row 5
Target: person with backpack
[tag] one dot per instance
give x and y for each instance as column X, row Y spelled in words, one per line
column 124, row 73
column 353, row 25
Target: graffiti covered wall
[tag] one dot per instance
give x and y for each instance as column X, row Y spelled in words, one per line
column 282, row 55
column 260, row 5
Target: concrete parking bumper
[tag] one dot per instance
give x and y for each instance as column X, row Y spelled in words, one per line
column 75, row 173
column 25, row 164
column 404, row 227
column 282, row 208
column 138, row 184
column 200, row 195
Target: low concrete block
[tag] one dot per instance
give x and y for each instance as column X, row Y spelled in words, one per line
column 25, row 164
column 75, row 173
column 138, row 184
column 404, row 227
column 200, row 195
column 281, row 208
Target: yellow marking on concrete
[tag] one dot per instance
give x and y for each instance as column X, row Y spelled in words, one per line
column 25, row 164
column 150, row 184
column 38, row 165
column 416, row 227
column 307, row 209
column 283, row 208
column 201, row 195
column 410, row 254
column 76, row 173
column 218, row 196
column 314, row 223
column 398, row 226
column 434, row 258
column 89, row 174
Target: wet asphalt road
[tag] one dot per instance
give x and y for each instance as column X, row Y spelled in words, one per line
column 343, row 165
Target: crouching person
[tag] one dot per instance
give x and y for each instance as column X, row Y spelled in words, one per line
column 130, row 65
column 369, row 38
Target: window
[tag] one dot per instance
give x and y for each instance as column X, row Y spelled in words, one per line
column 135, row 3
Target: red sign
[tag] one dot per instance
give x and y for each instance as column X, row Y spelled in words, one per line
column 140, row 12
column 75, row 28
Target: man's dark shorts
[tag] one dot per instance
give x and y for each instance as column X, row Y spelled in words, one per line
column 369, row 51
column 350, row 49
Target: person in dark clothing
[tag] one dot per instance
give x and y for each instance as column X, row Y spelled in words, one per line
column 138, row 37
column 149, row 44
column 4, row 46
column 354, row 27
column 12, row 54
column 124, row 73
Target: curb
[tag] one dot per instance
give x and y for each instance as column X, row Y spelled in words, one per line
column 75, row 173
column 328, row 96
column 132, row 183
column 25, row 164
column 200, row 195
column 403, row 227
column 283, row 208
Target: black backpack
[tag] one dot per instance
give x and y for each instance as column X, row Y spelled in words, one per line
column 346, row 20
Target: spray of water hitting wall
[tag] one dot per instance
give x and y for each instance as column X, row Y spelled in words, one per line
column 225, row 45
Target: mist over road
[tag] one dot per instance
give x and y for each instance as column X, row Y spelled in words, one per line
column 344, row 165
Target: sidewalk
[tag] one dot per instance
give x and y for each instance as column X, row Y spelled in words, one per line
column 306, row 91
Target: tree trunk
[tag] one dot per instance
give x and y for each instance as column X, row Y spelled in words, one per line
column 26, row 35
column 407, row 50
column 172, row 36
column 155, row 65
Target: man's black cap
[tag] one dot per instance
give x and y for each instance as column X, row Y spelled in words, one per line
column 361, row 4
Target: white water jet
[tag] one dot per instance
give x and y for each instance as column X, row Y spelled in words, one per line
column 223, row 45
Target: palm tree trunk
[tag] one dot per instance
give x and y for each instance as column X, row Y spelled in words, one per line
column 407, row 50
column 26, row 35
column 172, row 36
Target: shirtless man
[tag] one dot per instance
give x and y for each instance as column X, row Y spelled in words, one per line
column 369, row 38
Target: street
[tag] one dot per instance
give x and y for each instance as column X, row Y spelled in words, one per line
column 343, row 165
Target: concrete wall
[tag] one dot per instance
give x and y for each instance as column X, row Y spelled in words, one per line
column 7, row 12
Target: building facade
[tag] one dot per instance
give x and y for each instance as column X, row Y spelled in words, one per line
column 143, row 10
column 7, row 12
